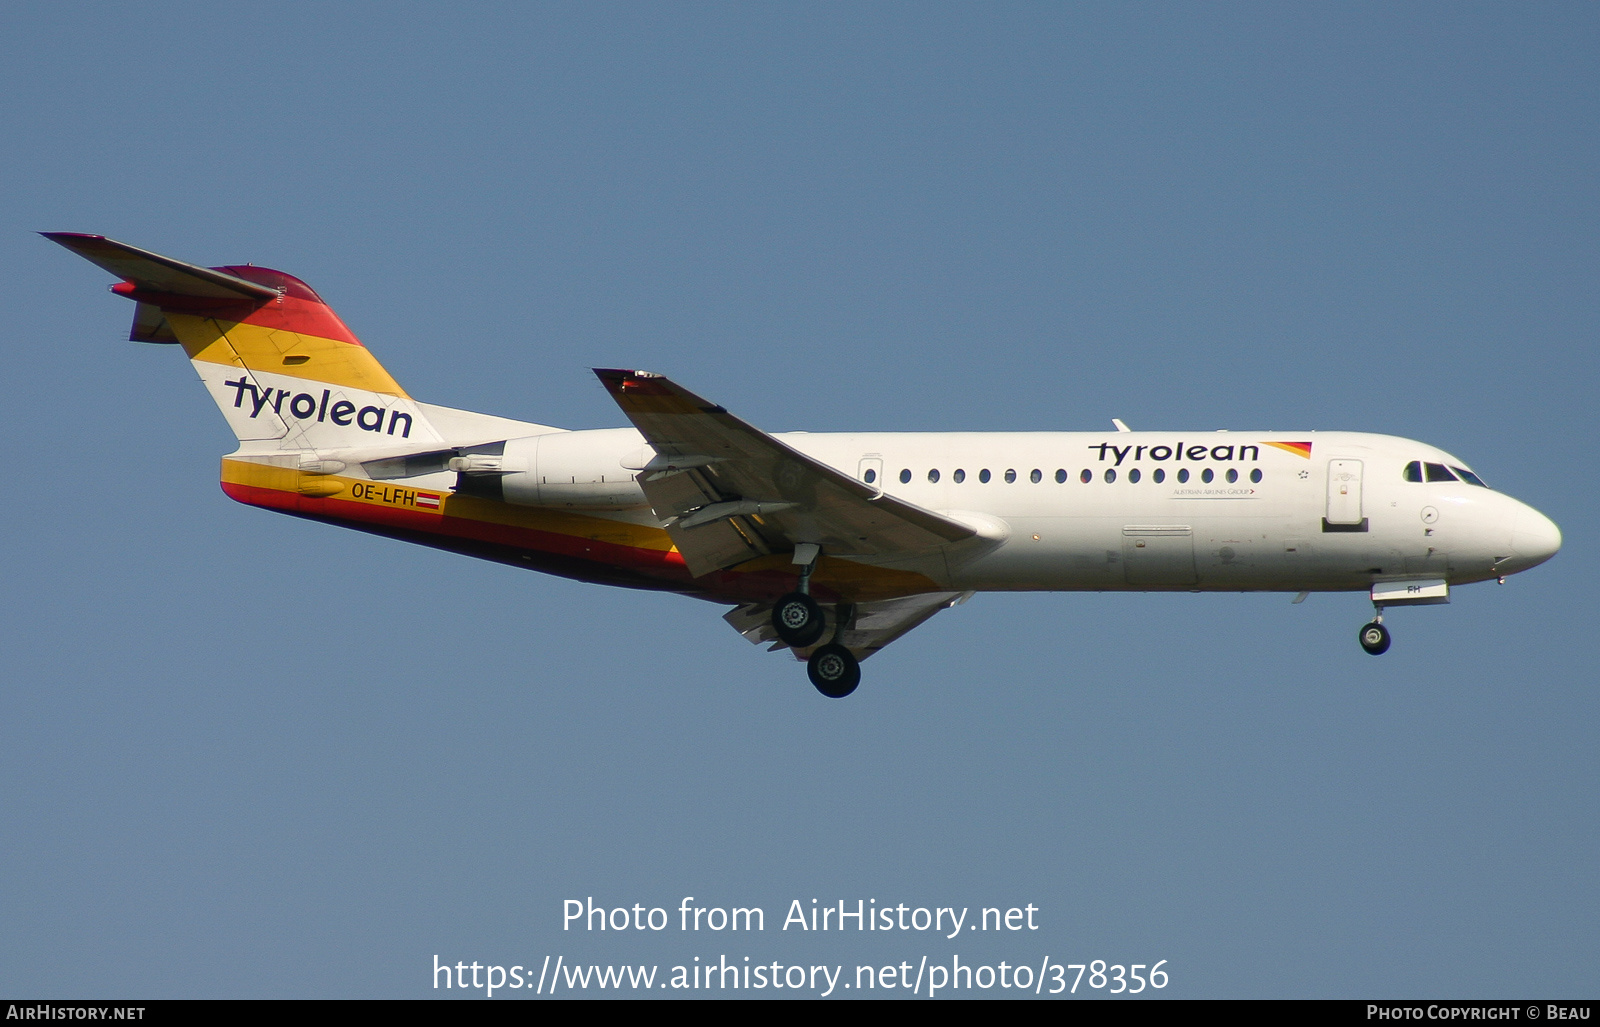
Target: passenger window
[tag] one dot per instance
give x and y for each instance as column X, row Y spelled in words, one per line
column 1255, row 475
column 1133, row 475
column 1233, row 476
column 1061, row 477
column 1183, row 474
column 1036, row 476
column 1469, row 477
column 1159, row 476
column 933, row 476
column 1439, row 472
column 1087, row 476
column 905, row 476
column 983, row 475
column 870, row 477
column 1414, row 471
column 1111, row 475
column 1011, row 476
column 960, row 476
column 1206, row 475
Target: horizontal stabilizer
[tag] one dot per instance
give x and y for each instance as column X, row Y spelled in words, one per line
column 156, row 273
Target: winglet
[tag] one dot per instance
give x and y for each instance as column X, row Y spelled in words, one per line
column 155, row 273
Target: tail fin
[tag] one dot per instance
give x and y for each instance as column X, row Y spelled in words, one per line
column 278, row 361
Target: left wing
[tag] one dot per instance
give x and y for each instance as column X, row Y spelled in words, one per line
column 730, row 492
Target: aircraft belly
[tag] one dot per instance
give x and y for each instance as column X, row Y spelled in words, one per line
column 1050, row 554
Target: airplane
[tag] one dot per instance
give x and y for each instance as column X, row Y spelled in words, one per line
column 828, row 545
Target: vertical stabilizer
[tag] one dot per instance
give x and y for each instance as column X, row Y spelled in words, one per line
column 280, row 364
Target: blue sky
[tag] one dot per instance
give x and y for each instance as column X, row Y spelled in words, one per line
column 250, row 756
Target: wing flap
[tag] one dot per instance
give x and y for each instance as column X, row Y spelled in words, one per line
column 872, row 625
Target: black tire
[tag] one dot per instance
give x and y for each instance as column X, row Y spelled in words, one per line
column 798, row 620
column 834, row 670
column 1374, row 638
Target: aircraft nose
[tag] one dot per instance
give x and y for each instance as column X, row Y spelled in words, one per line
column 1535, row 538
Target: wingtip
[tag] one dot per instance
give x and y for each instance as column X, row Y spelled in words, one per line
column 619, row 381
column 81, row 243
column 64, row 237
column 622, row 375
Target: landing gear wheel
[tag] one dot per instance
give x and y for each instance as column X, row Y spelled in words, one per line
column 834, row 670
column 1375, row 638
column 798, row 620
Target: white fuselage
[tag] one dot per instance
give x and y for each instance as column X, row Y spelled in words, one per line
column 1233, row 511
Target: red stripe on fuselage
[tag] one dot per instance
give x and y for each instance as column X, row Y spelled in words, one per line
column 657, row 568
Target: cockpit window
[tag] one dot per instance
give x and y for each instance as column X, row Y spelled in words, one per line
column 1439, row 472
column 1414, row 471
column 1469, row 477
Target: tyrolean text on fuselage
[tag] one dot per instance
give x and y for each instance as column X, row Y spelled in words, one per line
column 1163, row 452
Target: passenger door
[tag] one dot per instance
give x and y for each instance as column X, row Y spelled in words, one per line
column 1344, row 492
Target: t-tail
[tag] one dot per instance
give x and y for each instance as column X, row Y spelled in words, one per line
column 285, row 371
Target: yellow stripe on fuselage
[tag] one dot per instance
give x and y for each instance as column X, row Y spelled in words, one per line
column 855, row 582
column 391, row 494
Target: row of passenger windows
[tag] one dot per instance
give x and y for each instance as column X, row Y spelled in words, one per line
column 1416, row 470
column 1158, row 475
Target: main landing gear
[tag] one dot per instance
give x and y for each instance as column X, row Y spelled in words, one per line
column 834, row 670
column 798, row 620
column 800, row 623
column 1374, row 636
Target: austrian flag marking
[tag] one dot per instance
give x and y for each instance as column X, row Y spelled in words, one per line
column 395, row 495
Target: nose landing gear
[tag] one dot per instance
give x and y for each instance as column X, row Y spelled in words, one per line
column 1374, row 636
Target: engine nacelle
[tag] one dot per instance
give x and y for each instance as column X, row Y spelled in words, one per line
column 572, row 469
